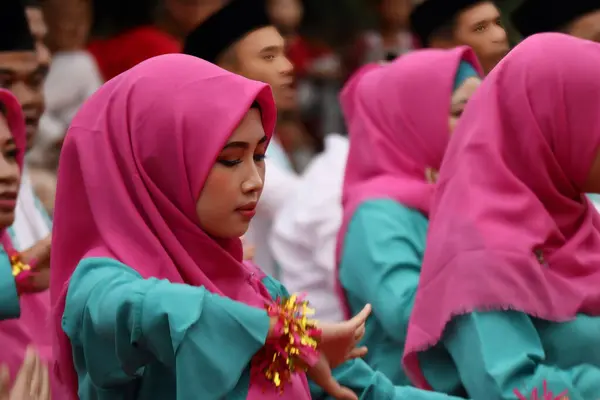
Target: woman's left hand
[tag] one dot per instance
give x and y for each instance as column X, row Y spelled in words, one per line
column 321, row 375
column 338, row 341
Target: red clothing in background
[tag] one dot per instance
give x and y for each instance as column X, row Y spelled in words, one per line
column 118, row 54
column 302, row 54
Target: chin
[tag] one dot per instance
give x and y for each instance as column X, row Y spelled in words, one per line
column 233, row 233
column 6, row 219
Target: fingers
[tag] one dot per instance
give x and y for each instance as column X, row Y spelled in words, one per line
column 36, row 378
column 4, row 382
column 44, row 393
column 359, row 333
column 361, row 317
column 335, row 390
column 26, row 371
column 357, row 352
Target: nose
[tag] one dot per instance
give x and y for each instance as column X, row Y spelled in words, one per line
column 254, row 180
column 286, row 68
column 499, row 35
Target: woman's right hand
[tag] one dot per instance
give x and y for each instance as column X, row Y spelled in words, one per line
column 32, row 382
column 38, row 256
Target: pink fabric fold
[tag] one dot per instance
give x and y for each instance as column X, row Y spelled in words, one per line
column 398, row 126
column 133, row 164
column 510, row 227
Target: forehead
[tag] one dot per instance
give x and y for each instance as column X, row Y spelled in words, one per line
column 19, row 61
column 250, row 128
column 260, row 39
column 481, row 12
column 587, row 26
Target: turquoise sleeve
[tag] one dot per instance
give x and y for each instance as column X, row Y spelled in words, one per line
column 371, row 385
column 381, row 261
column 9, row 299
column 206, row 340
column 274, row 287
column 498, row 352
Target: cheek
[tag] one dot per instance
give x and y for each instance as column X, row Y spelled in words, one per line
column 216, row 189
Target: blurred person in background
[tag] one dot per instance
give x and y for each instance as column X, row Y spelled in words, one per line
column 72, row 78
column 124, row 33
column 22, row 73
column 43, row 182
column 579, row 18
column 241, row 38
column 304, row 234
column 475, row 23
column 180, row 17
column 392, row 38
column 317, row 70
column 39, row 30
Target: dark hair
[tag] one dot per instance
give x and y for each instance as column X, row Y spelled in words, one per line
column 32, row 3
column 112, row 17
column 444, row 32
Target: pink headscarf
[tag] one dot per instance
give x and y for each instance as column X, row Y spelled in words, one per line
column 398, row 126
column 133, row 164
column 510, row 228
column 31, row 327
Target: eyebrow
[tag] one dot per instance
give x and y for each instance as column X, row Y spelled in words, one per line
column 242, row 145
column 9, row 142
column 270, row 49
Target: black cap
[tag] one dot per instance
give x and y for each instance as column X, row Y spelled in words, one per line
column 431, row 15
column 537, row 16
column 225, row 27
column 14, row 28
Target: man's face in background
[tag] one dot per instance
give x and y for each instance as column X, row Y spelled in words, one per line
column 480, row 28
column 586, row 27
column 260, row 55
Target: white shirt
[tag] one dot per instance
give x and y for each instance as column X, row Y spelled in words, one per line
column 32, row 223
column 304, row 235
column 280, row 185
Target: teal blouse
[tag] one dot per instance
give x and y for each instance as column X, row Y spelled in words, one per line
column 9, row 299
column 135, row 338
column 486, row 355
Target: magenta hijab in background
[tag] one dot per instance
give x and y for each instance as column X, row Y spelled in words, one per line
column 132, row 167
column 397, row 119
column 510, row 227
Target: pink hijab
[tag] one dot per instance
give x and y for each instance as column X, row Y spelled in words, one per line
column 510, row 228
column 31, row 326
column 133, row 164
column 398, row 126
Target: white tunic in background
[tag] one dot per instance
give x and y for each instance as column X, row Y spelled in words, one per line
column 32, row 223
column 304, row 235
column 280, row 185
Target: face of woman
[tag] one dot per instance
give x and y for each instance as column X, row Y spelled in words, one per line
column 460, row 98
column 228, row 199
column 10, row 175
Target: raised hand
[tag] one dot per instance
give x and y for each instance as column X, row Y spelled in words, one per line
column 339, row 340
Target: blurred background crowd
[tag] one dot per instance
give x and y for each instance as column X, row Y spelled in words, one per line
column 83, row 43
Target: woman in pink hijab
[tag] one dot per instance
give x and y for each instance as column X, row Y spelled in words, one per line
column 400, row 117
column 158, row 178
column 510, row 284
column 23, row 309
